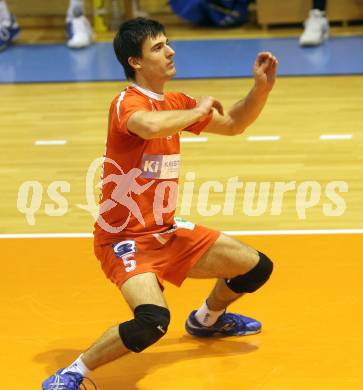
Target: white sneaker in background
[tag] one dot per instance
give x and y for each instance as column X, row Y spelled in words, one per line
column 316, row 29
column 9, row 31
column 79, row 32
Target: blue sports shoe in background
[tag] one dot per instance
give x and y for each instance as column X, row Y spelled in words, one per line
column 9, row 30
column 228, row 324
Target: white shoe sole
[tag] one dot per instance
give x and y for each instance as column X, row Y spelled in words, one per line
column 314, row 43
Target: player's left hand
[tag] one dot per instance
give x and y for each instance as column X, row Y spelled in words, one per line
column 264, row 71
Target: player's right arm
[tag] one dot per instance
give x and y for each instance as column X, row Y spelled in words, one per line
column 157, row 124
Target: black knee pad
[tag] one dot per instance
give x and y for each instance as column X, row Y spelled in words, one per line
column 149, row 325
column 253, row 279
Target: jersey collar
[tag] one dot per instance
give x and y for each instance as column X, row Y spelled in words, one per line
column 149, row 93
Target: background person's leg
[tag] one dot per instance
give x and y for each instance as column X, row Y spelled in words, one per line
column 78, row 27
column 9, row 28
column 4, row 11
column 74, row 6
column 316, row 27
column 319, row 4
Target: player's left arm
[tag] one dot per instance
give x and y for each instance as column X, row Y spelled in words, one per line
column 245, row 112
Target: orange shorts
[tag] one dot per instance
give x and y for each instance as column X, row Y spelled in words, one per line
column 170, row 255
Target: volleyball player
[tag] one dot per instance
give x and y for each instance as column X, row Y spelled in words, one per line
column 138, row 241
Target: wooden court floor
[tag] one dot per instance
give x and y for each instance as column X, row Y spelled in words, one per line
column 56, row 301
column 299, row 112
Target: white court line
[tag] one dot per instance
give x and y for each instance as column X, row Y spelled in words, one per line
column 335, row 136
column 47, row 235
column 43, row 142
column 193, row 139
column 291, row 232
column 228, row 232
column 263, row 138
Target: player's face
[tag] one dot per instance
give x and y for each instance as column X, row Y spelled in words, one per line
column 157, row 58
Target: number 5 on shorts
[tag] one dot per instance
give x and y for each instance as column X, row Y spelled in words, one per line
column 130, row 264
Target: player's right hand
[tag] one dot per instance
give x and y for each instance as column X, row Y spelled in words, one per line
column 207, row 103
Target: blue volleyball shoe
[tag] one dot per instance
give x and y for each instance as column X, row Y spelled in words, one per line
column 9, row 31
column 66, row 381
column 228, row 324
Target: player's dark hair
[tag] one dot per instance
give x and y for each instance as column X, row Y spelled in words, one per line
column 130, row 38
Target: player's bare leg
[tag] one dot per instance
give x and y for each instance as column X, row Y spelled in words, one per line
column 225, row 259
column 239, row 269
column 140, row 291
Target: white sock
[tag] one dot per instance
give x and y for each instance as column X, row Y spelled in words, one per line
column 77, row 366
column 207, row 317
column 75, row 8
column 4, row 12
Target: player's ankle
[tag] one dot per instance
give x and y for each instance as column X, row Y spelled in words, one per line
column 77, row 366
column 206, row 316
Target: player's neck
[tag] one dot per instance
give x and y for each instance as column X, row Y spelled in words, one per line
column 150, row 85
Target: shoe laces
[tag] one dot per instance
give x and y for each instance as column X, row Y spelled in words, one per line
column 230, row 321
column 58, row 384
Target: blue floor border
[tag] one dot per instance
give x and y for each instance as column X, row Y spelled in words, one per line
column 196, row 59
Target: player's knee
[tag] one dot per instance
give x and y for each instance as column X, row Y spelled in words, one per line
column 253, row 279
column 149, row 325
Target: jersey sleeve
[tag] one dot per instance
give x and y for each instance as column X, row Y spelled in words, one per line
column 124, row 107
column 196, row 127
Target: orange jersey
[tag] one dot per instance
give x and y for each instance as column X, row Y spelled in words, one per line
column 140, row 177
